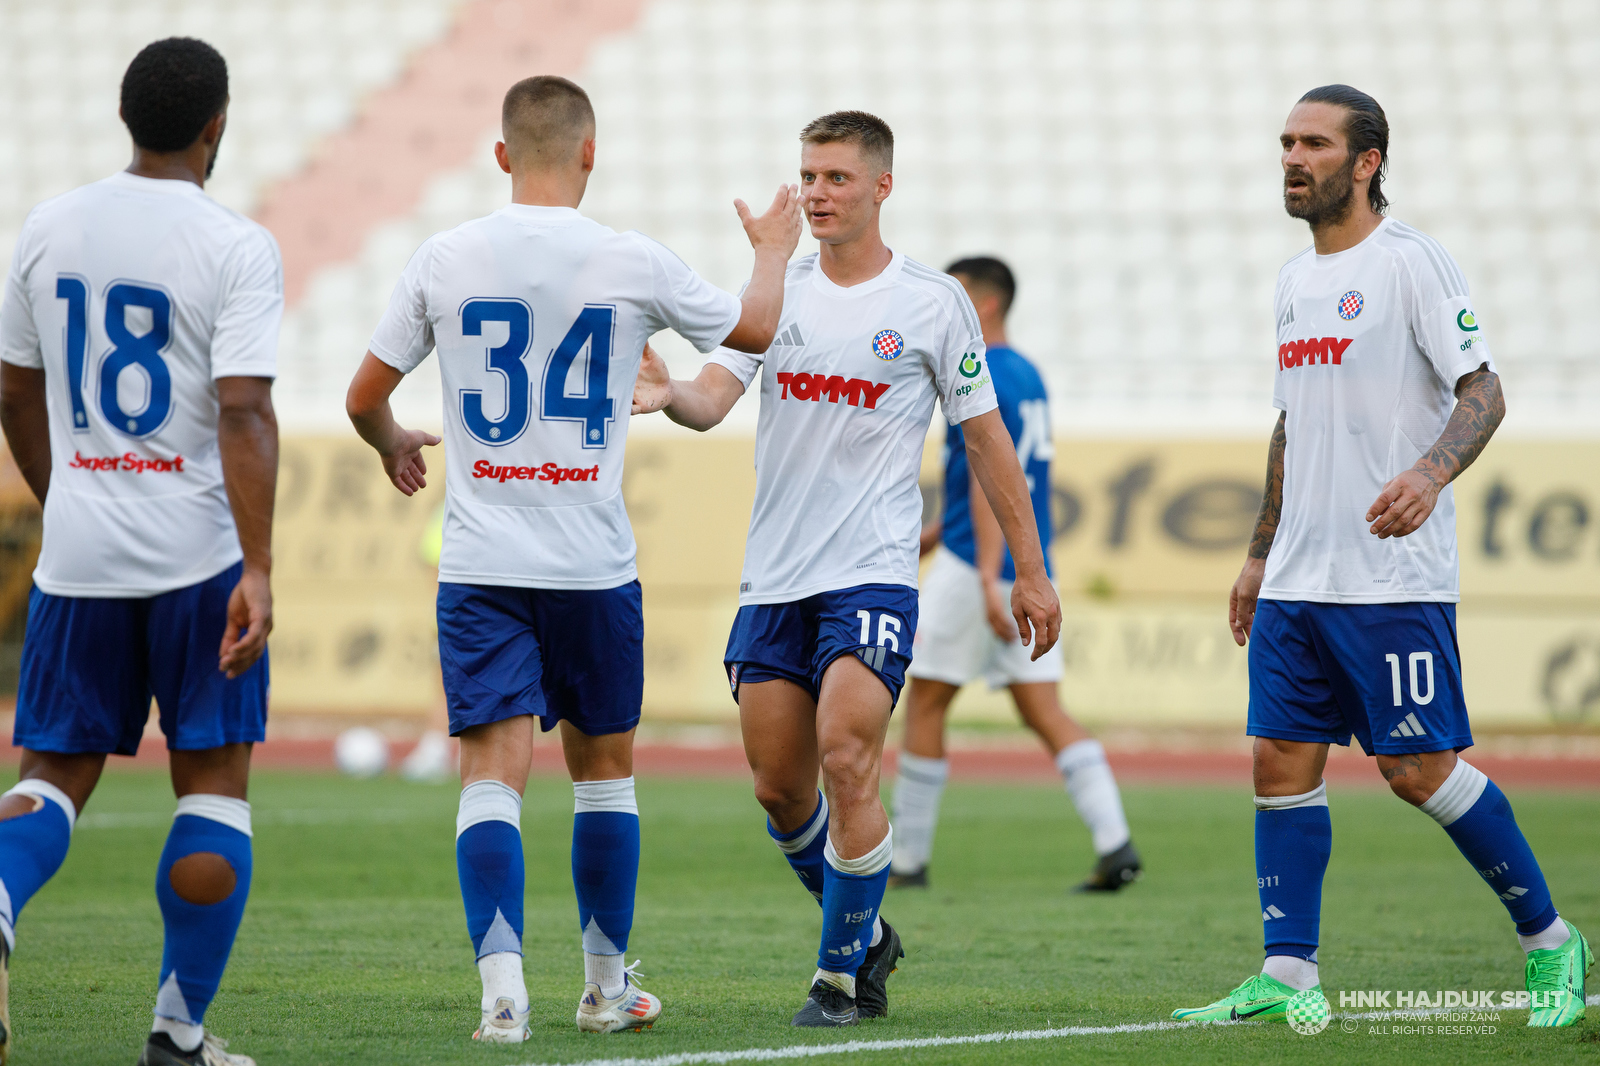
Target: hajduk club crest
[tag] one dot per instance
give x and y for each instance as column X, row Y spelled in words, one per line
column 888, row 345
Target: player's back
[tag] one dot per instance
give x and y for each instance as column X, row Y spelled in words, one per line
column 540, row 317
column 1025, row 408
column 134, row 294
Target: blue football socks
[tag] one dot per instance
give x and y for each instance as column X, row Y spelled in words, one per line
column 605, row 872
column 489, row 863
column 32, row 848
column 1478, row 818
column 200, row 931
column 1294, row 838
column 803, row 847
column 852, row 892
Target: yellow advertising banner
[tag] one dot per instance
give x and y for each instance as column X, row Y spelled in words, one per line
column 1150, row 537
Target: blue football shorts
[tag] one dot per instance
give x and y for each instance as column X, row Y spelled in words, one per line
column 90, row 666
column 1389, row 673
column 576, row 654
column 798, row 641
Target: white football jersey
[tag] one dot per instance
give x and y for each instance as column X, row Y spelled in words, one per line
column 848, row 392
column 134, row 295
column 540, row 317
column 1371, row 343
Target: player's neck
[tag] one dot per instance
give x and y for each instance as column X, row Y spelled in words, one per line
column 1350, row 231
column 188, row 165
column 545, row 188
column 994, row 334
column 856, row 260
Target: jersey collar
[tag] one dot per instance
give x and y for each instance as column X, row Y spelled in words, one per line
column 176, row 186
column 1350, row 252
column 540, row 214
column 883, row 281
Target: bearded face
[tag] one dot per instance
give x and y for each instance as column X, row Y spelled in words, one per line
column 1327, row 200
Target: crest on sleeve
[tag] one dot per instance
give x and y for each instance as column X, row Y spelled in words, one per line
column 888, row 345
column 1350, row 304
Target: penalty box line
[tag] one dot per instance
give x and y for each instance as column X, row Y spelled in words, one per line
column 808, row 1051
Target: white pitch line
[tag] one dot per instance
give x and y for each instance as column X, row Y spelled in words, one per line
column 809, row 1051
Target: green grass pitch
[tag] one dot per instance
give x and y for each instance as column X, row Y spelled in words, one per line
column 354, row 947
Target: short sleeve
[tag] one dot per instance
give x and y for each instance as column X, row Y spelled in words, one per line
column 1282, row 300
column 686, row 303
column 742, row 364
column 961, row 364
column 404, row 336
column 244, row 339
column 1451, row 337
column 19, row 334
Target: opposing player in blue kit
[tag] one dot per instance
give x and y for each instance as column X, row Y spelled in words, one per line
column 966, row 629
column 828, row 606
column 540, row 317
column 1348, row 596
column 138, row 343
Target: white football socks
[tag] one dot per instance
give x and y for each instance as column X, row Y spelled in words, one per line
column 502, row 977
column 187, row 1035
column 605, row 971
column 1299, row 974
column 918, row 786
column 1550, row 937
column 1094, row 792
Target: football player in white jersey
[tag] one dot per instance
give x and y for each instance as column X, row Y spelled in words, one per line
column 138, row 343
column 1387, row 391
column 828, row 606
column 540, row 317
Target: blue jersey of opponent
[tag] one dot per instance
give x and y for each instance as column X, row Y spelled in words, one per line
column 1025, row 407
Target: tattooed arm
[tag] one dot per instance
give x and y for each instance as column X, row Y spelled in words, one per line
column 1407, row 501
column 1242, row 600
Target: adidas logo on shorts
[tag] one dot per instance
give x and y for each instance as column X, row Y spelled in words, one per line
column 1409, row 727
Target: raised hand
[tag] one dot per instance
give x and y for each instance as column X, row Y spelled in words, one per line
column 652, row 389
column 779, row 229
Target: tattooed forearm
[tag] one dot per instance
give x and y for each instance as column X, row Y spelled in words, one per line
column 1403, row 765
column 1272, row 498
column 1480, row 406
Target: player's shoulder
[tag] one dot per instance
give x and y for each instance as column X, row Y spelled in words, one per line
column 800, row 269
column 1022, row 375
column 935, row 284
column 1297, row 263
column 1421, row 258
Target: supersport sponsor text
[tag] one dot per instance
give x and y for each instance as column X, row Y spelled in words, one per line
column 547, row 472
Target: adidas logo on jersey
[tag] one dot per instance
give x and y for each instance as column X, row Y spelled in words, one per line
column 1409, row 727
column 790, row 338
column 548, row 472
column 833, row 387
column 1312, row 350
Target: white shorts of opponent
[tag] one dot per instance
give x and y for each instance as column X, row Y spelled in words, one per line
column 954, row 643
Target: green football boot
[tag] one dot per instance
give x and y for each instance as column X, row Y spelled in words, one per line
column 1259, row 999
column 1560, row 975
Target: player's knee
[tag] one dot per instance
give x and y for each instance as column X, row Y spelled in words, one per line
column 202, row 878
column 847, row 767
column 1413, row 790
column 783, row 799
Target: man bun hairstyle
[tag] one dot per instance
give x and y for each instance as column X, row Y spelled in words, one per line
column 171, row 90
column 868, row 132
column 990, row 273
column 545, row 119
column 1366, row 127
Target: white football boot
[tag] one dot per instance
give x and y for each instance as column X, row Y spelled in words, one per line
column 159, row 1050
column 503, row 1023
column 633, row 1009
